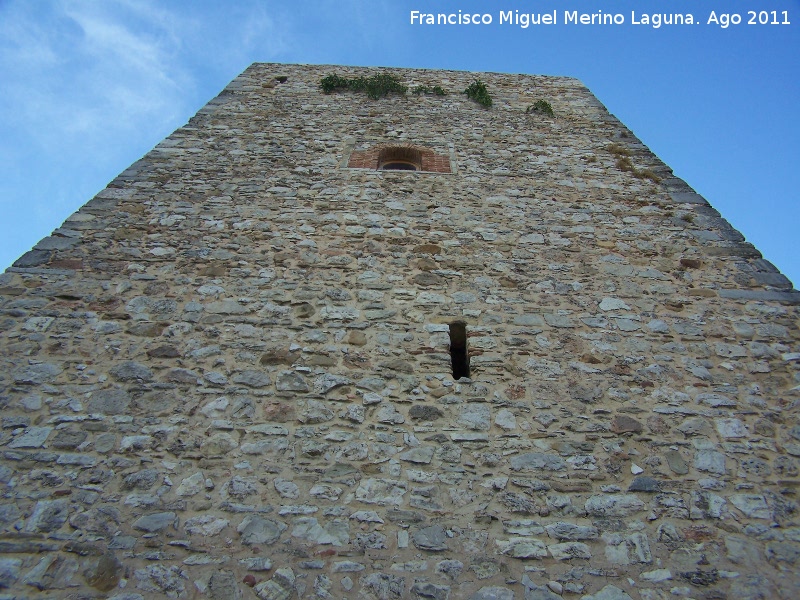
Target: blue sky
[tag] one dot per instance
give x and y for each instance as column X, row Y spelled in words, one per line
column 87, row 88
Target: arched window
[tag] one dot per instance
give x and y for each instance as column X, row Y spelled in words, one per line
column 399, row 158
column 398, row 165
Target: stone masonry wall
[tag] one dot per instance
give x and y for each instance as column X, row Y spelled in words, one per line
column 228, row 375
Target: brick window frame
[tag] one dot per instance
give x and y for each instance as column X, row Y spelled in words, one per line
column 425, row 159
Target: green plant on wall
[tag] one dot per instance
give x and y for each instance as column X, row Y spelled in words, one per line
column 332, row 83
column 478, row 92
column 624, row 163
column 436, row 90
column 376, row 86
column 541, row 107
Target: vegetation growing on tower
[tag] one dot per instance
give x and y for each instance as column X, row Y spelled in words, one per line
column 376, row 86
column 436, row 90
column 541, row 107
column 623, row 156
column 478, row 92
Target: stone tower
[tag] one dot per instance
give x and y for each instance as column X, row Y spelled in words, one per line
column 326, row 346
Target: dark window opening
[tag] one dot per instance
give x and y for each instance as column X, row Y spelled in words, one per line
column 399, row 158
column 396, row 165
column 458, row 350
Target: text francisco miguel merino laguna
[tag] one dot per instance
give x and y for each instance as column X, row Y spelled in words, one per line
column 570, row 17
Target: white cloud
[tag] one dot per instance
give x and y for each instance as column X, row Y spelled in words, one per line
column 87, row 71
column 99, row 69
